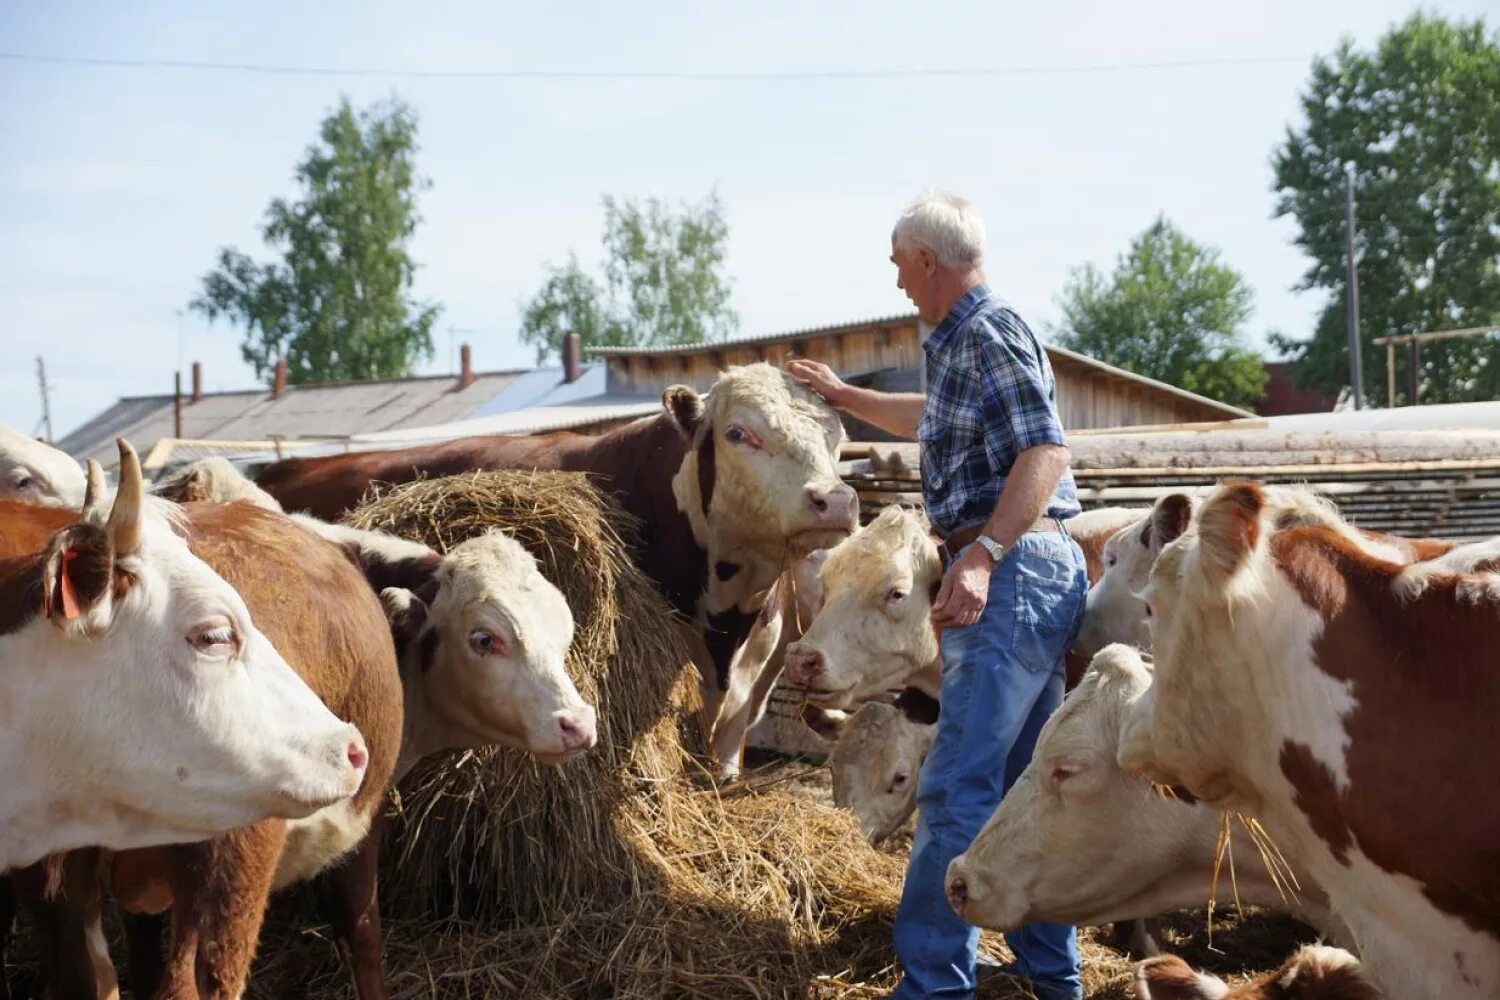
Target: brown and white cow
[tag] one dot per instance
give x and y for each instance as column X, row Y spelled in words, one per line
column 481, row 662
column 730, row 488
column 139, row 702
column 1315, row 972
column 1301, row 679
column 1077, row 841
column 35, row 472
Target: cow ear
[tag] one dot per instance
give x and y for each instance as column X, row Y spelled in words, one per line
column 78, row 572
column 1169, row 519
column 407, row 614
column 686, row 408
column 1229, row 528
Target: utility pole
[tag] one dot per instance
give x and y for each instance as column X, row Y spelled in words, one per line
column 1356, row 367
column 41, row 378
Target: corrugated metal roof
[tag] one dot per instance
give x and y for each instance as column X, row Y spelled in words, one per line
column 331, row 410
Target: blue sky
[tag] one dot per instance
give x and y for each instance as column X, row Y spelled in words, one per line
column 118, row 185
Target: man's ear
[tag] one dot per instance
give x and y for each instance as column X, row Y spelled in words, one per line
column 686, row 408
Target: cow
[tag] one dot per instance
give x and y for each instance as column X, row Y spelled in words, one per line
column 729, row 489
column 1077, row 841
column 140, row 704
column 874, row 631
column 1315, row 972
column 481, row 646
column 216, row 480
column 1288, row 653
column 38, row 473
column 877, row 758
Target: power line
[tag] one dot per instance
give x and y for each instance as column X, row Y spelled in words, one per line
column 554, row 74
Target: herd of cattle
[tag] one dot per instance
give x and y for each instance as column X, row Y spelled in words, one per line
column 204, row 698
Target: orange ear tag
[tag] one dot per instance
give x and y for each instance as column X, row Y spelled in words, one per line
column 65, row 586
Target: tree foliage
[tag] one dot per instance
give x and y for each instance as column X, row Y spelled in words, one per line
column 336, row 303
column 1418, row 122
column 1170, row 311
column 664, row 282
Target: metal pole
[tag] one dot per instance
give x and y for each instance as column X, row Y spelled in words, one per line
column 41, row 378
column 1356, row 369
column 1414, row 372
column 177, row 404
column 1390, row 374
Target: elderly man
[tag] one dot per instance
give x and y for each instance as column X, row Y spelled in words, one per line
column 996, row 484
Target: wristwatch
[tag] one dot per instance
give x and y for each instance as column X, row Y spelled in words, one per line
column 995, row 549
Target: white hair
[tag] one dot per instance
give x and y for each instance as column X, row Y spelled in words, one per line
column 944, row 224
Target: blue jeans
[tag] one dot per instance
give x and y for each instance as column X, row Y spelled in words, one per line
column 1002, row 678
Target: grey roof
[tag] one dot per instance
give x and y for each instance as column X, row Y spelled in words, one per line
column 329, row 410
column 775, row 338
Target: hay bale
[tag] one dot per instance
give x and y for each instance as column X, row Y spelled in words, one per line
column 494, row 834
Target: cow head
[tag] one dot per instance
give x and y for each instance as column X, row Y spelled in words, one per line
column 1115, row 610
column 159, row 695
column 759, row 483
column 487, row 654
column 874, row 630
column 38, row 473
column 875, row 765
column 215, row 480
column 1221, row 613
column 1076, row 840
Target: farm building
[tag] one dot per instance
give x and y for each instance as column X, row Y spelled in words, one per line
column 258, row 425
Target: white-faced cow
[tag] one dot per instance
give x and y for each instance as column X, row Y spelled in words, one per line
column 481, row 656
column 139, row 702
column 877, row 758
column 1077, row 841
column 38, row 473
column 730, row 489
column 1299, row 679
column 1315, row 972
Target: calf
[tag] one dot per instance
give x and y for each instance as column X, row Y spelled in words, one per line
column 139, row 702
column 1077, row 841
column 877, row 759
column 1288, row 654
column 1315, row 972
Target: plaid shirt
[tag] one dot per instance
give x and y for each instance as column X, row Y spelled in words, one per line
column 990, row 396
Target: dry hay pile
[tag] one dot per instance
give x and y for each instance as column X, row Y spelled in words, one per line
column 615, row 874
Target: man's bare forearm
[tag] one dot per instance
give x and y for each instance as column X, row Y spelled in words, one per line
column 894, row 412
column 1028, row 489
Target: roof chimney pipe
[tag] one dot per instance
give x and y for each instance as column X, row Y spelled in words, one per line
column 465, row 367
column 572, row 352
column 197, row 381
column 278, row 383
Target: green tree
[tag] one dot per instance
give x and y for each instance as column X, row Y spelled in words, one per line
column 664, row 282
column 1170, row 311
column 336, row 304
column 1418, row 122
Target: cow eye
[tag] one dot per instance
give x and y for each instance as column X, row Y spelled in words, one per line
column 1111, row 559
column 482, row 641
column 739, row 435
column 216, row 637
column 895, row 594
column 898, row 782
column 1062, row 772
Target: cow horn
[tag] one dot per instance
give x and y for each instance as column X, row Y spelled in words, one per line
column 93, row 492
column 124, row 527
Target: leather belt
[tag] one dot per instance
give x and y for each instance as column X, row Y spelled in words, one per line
column 956, row 541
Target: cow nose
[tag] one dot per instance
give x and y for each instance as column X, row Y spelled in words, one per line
column 958, row 893
column 577, row 730
column 358, row 755
column 817, row 500
column 802, row 665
